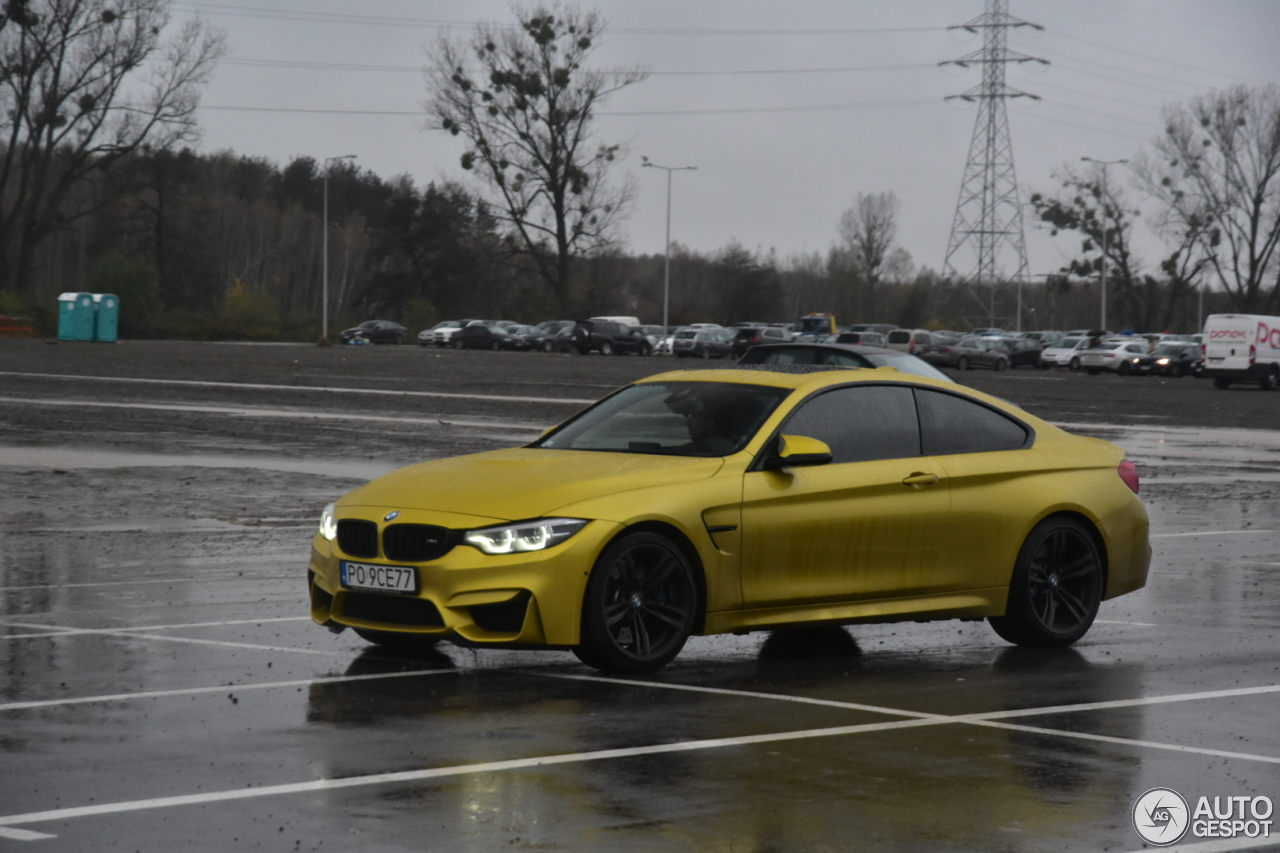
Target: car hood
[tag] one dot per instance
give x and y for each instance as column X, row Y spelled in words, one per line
column 525, row 482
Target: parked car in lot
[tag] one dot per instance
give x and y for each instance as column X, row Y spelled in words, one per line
column 608, row 337
column 443, row 332
column 1173, row 359
column 375, row 332
column 1023, row 352
column 908, row 340
column 879, row 328
column 717, row 501
column 1115, row 356
column 703, row 343
column 869, row 338
column 804, row 354
column 548, row 336
column 479, row 334
column 428, row 336
column 1064, row 352
column 971, row 352
column 745, row 337
column 519, row 337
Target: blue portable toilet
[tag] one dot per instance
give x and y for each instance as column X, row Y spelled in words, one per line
column 106, row 317
column 75, row 316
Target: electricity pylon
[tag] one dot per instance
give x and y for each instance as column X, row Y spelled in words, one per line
column 988, row 214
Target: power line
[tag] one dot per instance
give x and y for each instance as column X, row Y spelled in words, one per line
column 344, row 66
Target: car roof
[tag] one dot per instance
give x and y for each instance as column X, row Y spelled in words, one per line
column 806, row 381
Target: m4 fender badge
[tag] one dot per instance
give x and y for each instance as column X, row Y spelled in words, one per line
column 391, row 516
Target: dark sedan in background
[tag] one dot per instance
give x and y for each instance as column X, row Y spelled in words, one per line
column 481, row 335
column 1172, row 359
column 375, row 332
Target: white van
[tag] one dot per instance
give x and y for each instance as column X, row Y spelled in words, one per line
column 1242, row 348
column 625, row 321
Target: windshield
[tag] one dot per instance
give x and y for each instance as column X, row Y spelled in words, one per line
column 906, row 364
column 810, row 325
column 1169, row 349
column 671, row 419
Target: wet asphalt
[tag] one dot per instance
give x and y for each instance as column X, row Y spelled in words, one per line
column 162, row 687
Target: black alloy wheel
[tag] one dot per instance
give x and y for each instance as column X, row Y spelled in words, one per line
column 606, row 348
column 547, row 346
column 1271, row 381
column 1056, row 587
column 457, row 343
column 706, row 353
column 640, row 605
column 1001, row 364
column 962, row 363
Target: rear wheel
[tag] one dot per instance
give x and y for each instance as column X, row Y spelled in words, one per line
column 962, row 363
column 457, row 343
column 396, row 641
column 606, row 348
column 495, row 346
column 706, row 353
column 1056, row 587
column 640, row 606
column 1124, row 369
column 1222, row 384
column 1075, row 363
column 645, row 349
column 1001, row 364
column 1271, row 381
column 547, row 346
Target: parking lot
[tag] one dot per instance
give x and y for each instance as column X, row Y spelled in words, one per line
column 163, row 686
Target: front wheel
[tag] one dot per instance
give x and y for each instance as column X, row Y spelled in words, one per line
column 645, row 349
column 1056, row 587
column 547, row 346
column 640, row 605
column 606, row 348
column 1124, row 369
column 1001, row 364
column 705, row 354
column 457, row 343
column 962, row 363
column 1075, row 364
column 495, row 346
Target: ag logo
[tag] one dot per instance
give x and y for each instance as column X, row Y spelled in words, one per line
column 1161, row 817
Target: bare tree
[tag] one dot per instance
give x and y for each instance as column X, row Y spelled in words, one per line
column 84, row 83
column 524, row 100
column 1216, row 171
column 869, row 229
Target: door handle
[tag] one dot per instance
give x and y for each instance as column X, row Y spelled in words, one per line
column 919, row 478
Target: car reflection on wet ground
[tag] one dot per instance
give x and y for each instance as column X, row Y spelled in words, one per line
column 163, row 688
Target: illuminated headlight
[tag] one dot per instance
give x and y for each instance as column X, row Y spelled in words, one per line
column 537, row 534
column 328, row 524
column 1163, row 361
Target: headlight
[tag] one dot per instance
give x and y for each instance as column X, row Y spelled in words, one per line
column 1163, row 361
column 328, row 524
column 535, row 534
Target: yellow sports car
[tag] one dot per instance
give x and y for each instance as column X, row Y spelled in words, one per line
column 707, row 501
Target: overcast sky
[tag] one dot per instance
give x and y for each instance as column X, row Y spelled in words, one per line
column 787, row 109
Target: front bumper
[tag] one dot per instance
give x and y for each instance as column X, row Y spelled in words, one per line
column 469, row 589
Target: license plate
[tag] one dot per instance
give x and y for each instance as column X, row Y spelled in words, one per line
column 381, row 578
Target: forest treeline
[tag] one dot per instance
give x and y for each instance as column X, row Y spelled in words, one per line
column 222, row 246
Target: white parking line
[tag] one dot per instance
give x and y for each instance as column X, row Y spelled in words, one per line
column 132, row 583
column 23, row 834
column 59, row 630
column 1123, row 741
column 220, row 688
column 258, row 386
column 1208, row 533
column 246, row 412
column 444, row 772
column 1120, row 622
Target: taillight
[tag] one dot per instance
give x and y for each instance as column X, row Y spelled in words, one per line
column 1204, row 350
column 911, row 347
column 1129, row 473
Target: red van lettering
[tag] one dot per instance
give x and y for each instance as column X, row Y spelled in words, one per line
column 1228, row 333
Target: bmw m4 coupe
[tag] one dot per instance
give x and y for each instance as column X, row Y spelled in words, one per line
column 742, row 499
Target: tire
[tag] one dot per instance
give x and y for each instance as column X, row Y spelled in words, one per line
column 547, row 346
column 705, row 354
column 1075, row 363
column 1056, row 587
column 1092, row 371
column 1124, row 369
column 1270, row 382
column 640, row 605
column 606, row 348
column 396, row 641
column 962, row 363
column 1180, row 371
column 645, row 349
column 1001, row 365
column 1222, row 384
column 399, row 340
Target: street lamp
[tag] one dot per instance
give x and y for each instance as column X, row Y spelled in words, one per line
column 1104, row 164
column 666, row 280
column 324, row 286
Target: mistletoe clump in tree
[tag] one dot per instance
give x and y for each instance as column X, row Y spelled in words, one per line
column 525, row 102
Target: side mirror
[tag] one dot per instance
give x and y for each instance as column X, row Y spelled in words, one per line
column 793, row 451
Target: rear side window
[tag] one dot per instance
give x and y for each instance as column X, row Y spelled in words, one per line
column 861, row 423
column 900, row 337
column 790, row 355
column 951, row 424
column 772, row 333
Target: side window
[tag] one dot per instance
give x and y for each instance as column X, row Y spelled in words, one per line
column 951, row 424
column 843, row 359
column 861, row 423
